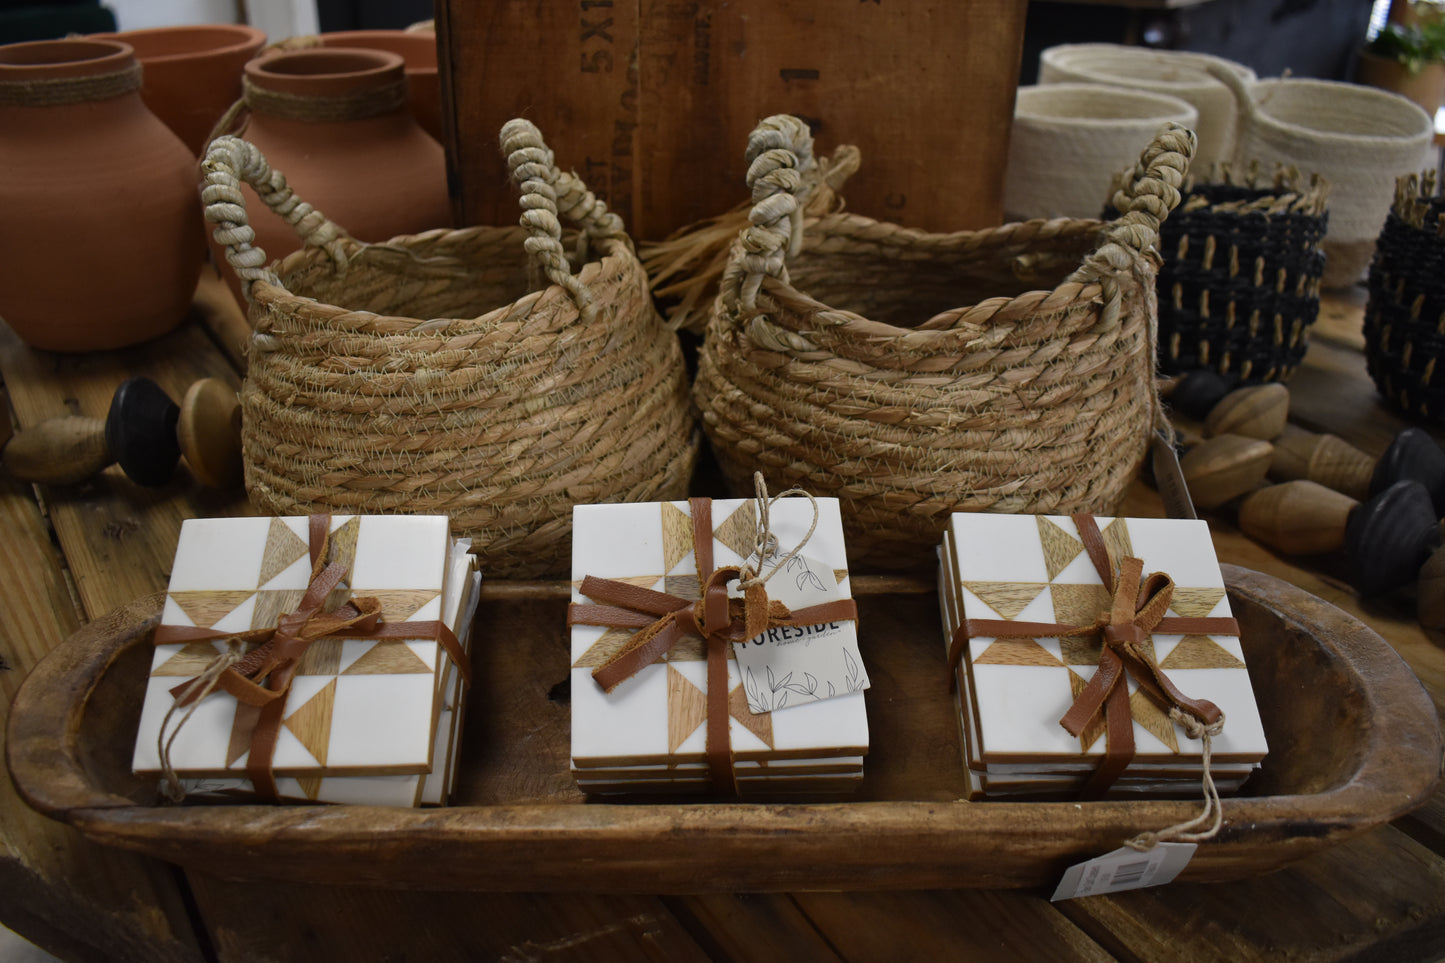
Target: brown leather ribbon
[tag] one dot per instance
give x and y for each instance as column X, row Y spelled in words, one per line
column 1136, row 611
column 262, row 678
column 664, row 620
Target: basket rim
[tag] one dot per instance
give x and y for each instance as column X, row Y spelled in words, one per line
column 611, row 255
column 846, row 223
column 1066, row 57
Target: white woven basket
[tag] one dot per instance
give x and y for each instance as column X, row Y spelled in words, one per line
column 1359, row 138
column 1069, row 140
column 1177, row 73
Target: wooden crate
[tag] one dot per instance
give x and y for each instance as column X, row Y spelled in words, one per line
column 651, row 101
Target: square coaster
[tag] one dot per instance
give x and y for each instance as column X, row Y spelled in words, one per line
column 357, row 706
column 427, row 789
column 1013, row 691
column 658, row 716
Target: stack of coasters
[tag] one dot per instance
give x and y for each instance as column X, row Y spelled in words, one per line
column 366, row 720
column 649, row 733
column 1013, row 690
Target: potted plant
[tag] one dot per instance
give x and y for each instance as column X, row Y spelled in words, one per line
column 1408, row 56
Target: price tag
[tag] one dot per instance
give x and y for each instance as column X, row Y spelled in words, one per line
column 785, row 667
column 1125, row 869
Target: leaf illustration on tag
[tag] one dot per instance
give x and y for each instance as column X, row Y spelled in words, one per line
column 805, row 578
column 852, row 678
column 776, row 684
column 750, row 687
column 794, row 665
column 810, row 689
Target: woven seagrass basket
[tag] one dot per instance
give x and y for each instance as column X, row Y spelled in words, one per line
column 1405, row 315
column 913, row 375
column 476, row 373
column 1240, row 283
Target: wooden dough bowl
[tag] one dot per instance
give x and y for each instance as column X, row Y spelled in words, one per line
column 1355, row 743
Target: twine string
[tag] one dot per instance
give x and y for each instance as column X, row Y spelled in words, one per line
column 766, row 543
column 56, row 91
column 1213, row 812
column 204, row 684
column 315, row 108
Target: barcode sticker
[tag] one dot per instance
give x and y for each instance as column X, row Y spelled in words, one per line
column 1125, row 869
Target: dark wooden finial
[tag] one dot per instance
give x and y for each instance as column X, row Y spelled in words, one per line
column 140, row 431
column 1415, row 456
column 1389, row 538
column 1198, row 392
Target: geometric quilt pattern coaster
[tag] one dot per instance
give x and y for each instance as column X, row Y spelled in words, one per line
column 1013, row 688
column 356, row 706
column 428, row 789
column 649, row 733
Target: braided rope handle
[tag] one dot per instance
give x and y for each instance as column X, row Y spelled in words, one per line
column 231, row 161
column 547, row 194
column 1146, row 199
column 779, row 158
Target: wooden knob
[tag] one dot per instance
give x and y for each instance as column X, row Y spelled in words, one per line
column 1327, row 459
column 140, row 430
column 59, row 451
column 1225, row 467
column 1196, row 394
column 1414, row 456
column 1257, row 412
column 209, row 431
column 1297, row 517
column 1389, row 538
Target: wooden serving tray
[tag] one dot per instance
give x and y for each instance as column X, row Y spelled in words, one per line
column 1355, row 743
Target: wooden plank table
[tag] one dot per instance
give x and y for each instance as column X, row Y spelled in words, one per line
column 79, row 551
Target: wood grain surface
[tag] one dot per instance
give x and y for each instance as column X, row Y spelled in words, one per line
column 651, row 101
column 1376, row 896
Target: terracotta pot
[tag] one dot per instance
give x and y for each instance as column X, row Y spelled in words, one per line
column 192, row 74
column 1427, row 88
column 100, row 225
column 417, row 47
column 336, row 125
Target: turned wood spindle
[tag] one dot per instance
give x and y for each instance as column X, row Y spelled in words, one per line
column 1327, row 459
column 1387, row 538
column 1299, row 517
column 144, row 431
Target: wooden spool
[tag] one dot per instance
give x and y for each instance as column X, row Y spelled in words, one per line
column 144, row 431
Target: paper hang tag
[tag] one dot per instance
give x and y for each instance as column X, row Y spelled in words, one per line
column 1125, row 869
column 786, row 667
